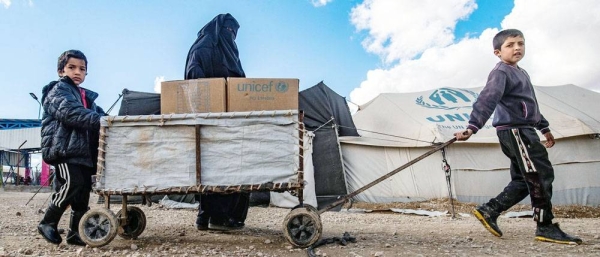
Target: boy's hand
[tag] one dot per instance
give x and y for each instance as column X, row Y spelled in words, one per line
column 463, row 135
column 549, row 140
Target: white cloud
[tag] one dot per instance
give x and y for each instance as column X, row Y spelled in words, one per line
column 560, row 40
column 319, row 3
column 6, row 3
column 157, row 82
column 400, row 30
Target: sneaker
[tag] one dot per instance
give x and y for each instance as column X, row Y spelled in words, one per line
column 553, row 234
column 488, row 219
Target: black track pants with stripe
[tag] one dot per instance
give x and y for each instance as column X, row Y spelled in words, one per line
column 531, row 173
column 76, row 186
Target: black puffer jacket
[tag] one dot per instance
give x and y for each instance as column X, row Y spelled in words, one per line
column 69, row 131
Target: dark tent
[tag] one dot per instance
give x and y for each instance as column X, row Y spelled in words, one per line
column 320, row 104
column 327, row 114
column 139, row 103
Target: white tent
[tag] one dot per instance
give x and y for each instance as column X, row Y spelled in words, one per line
column 398, row 127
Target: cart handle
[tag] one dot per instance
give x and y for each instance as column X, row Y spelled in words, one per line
column 391, row 173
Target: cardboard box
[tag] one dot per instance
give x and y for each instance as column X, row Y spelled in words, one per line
column 257, row 94
column 193, row 96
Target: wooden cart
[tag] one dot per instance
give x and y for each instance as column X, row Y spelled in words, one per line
column 198, row 153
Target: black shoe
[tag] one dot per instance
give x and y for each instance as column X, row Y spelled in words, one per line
column 48, row 225
column 73, row 237
column 228, row 225
column 553, row 234
column 50, row 233
column 488, row 218
column 201, row 223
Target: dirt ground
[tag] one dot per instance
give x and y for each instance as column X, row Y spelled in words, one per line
column 171, row 232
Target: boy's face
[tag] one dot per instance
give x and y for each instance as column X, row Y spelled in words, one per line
column 512, row 51
column 75, row 69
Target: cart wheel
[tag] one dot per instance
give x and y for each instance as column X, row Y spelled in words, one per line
column 306, row 206
column 136, row 223
column 98, row 227
column 311, row 208
column 302, row 227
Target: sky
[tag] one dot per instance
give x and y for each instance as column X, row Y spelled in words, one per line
column 359, row 48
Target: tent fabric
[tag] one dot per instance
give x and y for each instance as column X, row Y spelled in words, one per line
column 329, row 170
column 397, row 128
column 420, row 118
column 479, row 172
column 364, row 164
column 320, row 104
column 139, row 103
column 327, row 115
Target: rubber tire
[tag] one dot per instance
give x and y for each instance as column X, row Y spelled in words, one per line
column 302, row 227
column 98, row 227
column 136, row 223
column 311, row 208
column 306, row 206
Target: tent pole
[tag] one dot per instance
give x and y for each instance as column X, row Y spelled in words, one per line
column 448, row 172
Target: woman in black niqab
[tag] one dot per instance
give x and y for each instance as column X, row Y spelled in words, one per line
column 215, row 55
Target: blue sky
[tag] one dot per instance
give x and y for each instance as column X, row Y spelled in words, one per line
column 358, row 48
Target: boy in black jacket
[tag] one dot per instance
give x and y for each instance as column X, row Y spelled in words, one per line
column 70, row 131
column 509, row 93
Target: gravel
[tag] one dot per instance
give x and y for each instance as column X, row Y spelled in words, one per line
column 171, row 232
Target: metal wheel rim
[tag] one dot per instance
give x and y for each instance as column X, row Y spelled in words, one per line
column 98, row 227
column 136, row 223
column 302, row 228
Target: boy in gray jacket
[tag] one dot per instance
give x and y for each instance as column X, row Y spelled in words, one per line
column 510, row 94
column 70, row 131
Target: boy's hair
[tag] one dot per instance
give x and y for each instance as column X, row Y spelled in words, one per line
column 64, row 58
column 503, row 35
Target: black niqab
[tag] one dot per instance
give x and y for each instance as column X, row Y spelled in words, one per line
column 216, row 41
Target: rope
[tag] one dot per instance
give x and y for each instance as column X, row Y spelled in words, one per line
column 330, row 120
column 407, row 138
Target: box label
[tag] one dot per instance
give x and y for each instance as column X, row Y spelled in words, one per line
column 256, row 94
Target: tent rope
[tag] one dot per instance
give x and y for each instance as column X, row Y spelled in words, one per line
column 330, row 120
column 374, row 132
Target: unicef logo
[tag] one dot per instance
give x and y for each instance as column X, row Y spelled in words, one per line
column 448, row 99
column 282, row 87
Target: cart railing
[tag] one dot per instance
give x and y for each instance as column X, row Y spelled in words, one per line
column 201, row 153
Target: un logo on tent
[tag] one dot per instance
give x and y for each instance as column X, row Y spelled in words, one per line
column 448, row 99
column 282, row 87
